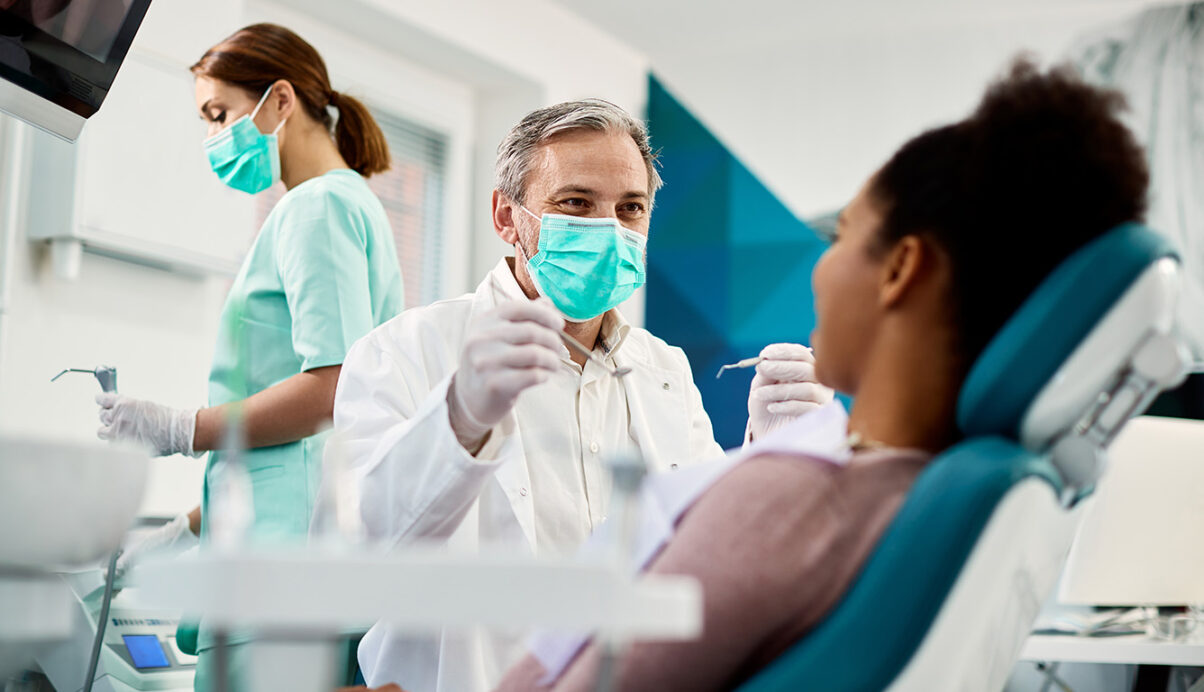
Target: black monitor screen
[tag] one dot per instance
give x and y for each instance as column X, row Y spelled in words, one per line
column 67, row 51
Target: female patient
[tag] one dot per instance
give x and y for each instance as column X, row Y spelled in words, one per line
column 941, row 245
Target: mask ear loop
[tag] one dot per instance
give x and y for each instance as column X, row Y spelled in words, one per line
column 266, row 94
column 259, row 105
column 523, row 251
column 519, row 241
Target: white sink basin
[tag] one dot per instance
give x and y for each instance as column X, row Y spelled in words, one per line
column 64, row 504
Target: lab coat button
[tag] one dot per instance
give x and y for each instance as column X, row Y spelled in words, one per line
column 673, row 466
column 665, row 386
column 593, row 447
column 522, row 491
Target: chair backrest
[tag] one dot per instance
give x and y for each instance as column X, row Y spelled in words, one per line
column 980, row 539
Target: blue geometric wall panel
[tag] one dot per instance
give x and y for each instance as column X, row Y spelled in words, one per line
column 729, row 265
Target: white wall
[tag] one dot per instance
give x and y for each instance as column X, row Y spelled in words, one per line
column 813, row 95
column 158, row 328
column 852, row 100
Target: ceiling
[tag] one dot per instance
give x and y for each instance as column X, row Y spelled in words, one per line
column 665, row 29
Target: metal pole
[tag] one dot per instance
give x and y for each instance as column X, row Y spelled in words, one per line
column 628, row 476
column 221, row 660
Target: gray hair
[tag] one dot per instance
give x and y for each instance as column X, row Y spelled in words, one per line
column 517, row 150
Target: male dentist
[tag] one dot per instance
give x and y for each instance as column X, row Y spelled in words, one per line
column 469, row 421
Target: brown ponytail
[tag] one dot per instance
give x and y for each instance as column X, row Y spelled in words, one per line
column 358, row 137
column 256, row 57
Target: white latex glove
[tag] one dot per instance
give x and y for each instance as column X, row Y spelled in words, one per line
column 164, row 429
column 784, row 388
column 507, row 350
column 172, row 538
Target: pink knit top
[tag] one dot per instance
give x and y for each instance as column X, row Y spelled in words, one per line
column 775, row 543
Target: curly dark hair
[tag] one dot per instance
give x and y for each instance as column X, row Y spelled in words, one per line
column 1041, row 167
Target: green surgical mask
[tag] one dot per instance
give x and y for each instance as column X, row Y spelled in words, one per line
column 242, row 156
column 586, row 266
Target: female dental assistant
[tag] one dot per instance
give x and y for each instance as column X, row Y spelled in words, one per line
column 322, row 272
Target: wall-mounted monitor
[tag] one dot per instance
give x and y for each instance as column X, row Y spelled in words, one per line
column 58, row 58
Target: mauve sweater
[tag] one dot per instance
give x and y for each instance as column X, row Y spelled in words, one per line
column 775, row 543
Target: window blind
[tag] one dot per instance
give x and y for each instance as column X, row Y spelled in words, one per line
column 412, row 193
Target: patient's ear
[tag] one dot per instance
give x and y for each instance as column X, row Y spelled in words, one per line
column 904, row 267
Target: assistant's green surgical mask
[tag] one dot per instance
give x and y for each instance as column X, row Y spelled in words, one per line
column 586, row 266
column 242, row 156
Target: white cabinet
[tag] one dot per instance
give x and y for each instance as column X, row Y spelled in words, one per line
column 136, row 184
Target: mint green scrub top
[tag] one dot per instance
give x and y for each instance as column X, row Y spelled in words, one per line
column 322, row 273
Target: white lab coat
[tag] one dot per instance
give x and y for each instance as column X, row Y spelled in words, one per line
column 417, row 482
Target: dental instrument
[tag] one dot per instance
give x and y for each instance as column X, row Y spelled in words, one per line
column 746, row 363
column 105, row 375
column 580, row 348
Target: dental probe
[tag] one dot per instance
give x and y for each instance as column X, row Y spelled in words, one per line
column 577, row 346
column 746, row 363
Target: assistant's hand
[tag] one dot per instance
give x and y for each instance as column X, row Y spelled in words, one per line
column 175, row 536
column 784, row 388
column 164, row 429
column 507, row 350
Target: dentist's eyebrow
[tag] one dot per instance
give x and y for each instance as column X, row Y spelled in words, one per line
column 573, row 188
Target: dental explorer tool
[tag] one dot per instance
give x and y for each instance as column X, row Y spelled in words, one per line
column 580, row 348
column 746, row 363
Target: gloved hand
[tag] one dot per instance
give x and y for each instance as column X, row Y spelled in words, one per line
column 784, row 388
column 165, row 430
column 507, row 350
column 173, row 537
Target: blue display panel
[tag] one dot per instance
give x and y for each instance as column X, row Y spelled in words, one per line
column 146, row 651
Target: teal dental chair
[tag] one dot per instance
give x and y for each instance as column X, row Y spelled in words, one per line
column 949, row 595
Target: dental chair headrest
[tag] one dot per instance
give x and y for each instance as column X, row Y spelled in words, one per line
column 1105, row 310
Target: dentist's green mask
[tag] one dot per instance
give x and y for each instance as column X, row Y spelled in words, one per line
column 586, row 266
column 242, row 156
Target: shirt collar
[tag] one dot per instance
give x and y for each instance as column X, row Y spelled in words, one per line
column 614, row 331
